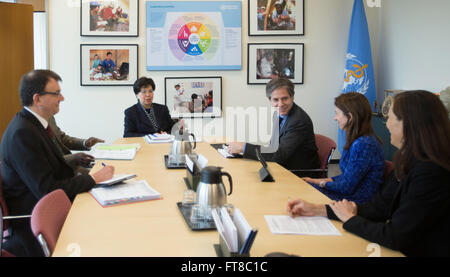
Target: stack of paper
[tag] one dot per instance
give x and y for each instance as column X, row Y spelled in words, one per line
column 224, row 152
column 159, row 138
column 302, row 225
column 130, row 191
column 115, row 151
column 236, row 233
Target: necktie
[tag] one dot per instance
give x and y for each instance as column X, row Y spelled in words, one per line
column 280, row 120
column 53, row 138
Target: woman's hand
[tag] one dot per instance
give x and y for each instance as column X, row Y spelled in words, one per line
column 300, row 207
column 344, row 209
column 316, row 181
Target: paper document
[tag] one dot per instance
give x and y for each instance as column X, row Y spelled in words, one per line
column 159, row 138
column 129, row 191
column 136, row 146
column 126, row 154
column 301, row 225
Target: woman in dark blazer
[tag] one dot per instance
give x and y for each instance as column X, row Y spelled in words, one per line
column 146, row 117
column 411, row 213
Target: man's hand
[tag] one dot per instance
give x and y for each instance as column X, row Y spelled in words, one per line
column 83, row 159
column 235, row 147
column 106, row 173
column 92, row 141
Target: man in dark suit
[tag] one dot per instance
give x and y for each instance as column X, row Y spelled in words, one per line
column 296, row 142
column 32, row 163
column 146, row 117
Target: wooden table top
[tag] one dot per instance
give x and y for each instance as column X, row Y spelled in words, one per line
column 157, row 228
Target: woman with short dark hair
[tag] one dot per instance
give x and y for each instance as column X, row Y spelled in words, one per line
column 362, row 162
column 412, row 213
column 146, row 117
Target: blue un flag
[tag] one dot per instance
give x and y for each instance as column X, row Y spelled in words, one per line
column 358, row 76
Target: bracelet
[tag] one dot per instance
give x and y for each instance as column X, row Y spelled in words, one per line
column 322, row 184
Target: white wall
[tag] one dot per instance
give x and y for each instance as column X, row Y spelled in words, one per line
column 98, row 111
column 414, row 45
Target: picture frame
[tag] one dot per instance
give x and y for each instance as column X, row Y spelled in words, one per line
column 109, row 18
column 265, row 20
column 120, row 70
column 194, row 97
column 269, row 60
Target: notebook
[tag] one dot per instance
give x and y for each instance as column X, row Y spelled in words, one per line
column 116, row 179
column 128, row 192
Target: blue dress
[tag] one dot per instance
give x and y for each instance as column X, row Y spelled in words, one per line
column 362, row 167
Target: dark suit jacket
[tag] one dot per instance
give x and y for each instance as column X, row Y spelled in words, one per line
column 32, row 166
column 137, row 123
column 412, row 216
column 297, row 145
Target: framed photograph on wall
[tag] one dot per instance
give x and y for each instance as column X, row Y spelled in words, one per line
column 111, row 18
column 108, row 64
column 269, row 60
column 276, row 17
column 189, row 97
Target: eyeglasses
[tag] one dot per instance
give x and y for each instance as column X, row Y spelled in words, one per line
column 52, row 93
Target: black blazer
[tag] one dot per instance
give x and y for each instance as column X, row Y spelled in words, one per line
column 297, row 145
column 32, row 166
column 411, row 216
column 137, row 124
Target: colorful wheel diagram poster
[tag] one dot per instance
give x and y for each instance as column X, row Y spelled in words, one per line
column 190, row 39
column 193, row 35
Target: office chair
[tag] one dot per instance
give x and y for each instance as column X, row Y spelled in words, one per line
column 389, row 166
column 4, row 219
column 325, row 149
column 48, row 217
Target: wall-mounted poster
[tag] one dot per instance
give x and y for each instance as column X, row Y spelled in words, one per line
column 108, row 64
column 109, row 18
column 194, row 96
column 192, row 35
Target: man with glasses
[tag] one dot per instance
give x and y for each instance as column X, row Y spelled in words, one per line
column 32, row 163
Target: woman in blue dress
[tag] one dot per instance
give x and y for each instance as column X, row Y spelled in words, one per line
column 362, row 162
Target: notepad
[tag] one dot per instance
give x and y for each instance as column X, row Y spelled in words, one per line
column 128, row 192
column 117, row 178
column 126, row 154
column 111, row 147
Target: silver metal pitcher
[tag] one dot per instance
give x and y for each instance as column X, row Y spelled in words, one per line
column 180, row 147
column 211, row 190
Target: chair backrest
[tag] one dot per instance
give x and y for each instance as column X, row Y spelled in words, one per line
column 325, row 149
column 389, row 166
column 48, row 217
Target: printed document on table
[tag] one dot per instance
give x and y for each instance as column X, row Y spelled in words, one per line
column 127, row 154
column 301, row 225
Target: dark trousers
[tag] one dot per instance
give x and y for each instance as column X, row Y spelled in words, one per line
column 21, row 241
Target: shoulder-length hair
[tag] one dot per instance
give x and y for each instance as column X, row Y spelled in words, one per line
column 360, row 122
column 426, row 130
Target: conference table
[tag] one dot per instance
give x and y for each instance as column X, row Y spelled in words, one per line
column 157, row 229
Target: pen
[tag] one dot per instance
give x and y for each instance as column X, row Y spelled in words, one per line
column 103, row 164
